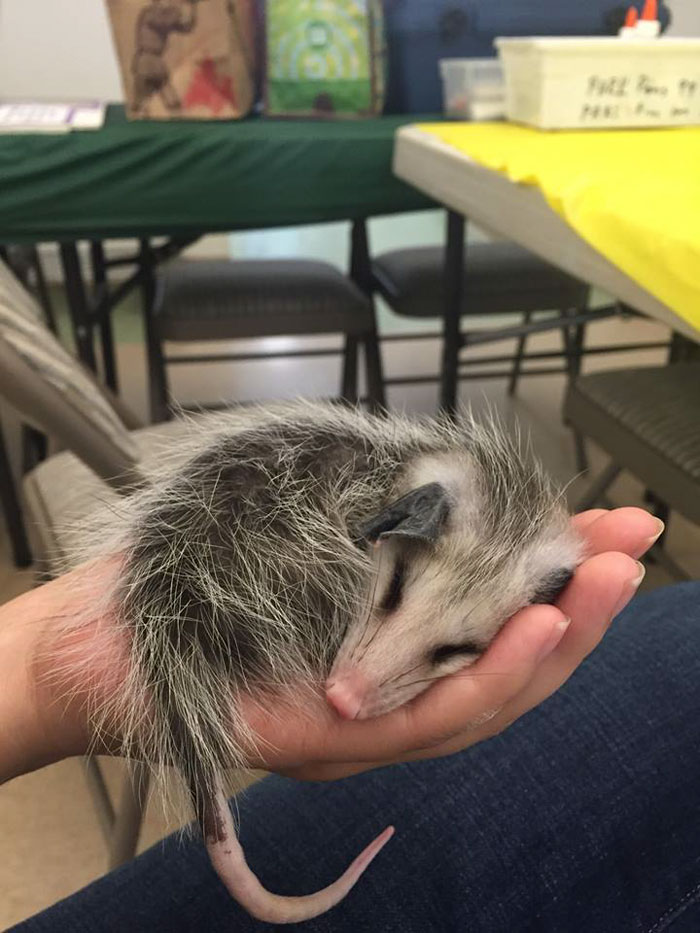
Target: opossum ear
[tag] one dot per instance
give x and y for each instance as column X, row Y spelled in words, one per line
column 419, row 515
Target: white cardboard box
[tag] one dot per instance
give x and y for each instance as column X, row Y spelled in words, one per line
column 562, row 83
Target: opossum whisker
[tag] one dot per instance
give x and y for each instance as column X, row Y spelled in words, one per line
column 391, row 680
column 368, row 614
column 467, row 673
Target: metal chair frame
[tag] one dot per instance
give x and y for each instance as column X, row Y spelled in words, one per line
column 570, row 321
column 25, row 263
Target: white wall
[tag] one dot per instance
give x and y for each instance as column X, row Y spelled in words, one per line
column 63, row 48
column 57, row 48
column 686, row 17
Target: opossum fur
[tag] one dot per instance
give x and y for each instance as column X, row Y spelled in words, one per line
column 243, row 568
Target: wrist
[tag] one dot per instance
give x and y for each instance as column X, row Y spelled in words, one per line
column 38, row 726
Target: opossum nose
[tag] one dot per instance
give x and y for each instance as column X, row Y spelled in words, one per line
column 346, row 692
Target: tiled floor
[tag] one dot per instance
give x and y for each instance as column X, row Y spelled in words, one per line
column 53, row 805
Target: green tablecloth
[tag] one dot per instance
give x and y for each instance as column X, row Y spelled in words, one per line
column 146, row 178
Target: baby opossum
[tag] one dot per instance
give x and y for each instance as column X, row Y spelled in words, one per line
column 315, row 545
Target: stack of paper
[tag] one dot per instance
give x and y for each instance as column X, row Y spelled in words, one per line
column 54, row 117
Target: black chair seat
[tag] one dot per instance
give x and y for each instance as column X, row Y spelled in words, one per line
column 499, row 277
column 648, row 421
column 226, row 299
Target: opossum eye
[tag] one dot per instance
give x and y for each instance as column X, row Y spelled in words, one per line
column 394, row 592
column 447, row 652
column 552, row 586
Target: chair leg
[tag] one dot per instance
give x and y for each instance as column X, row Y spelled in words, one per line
column 453, row 285
column 13, row 512
column 572, row 338
column 580, row 453
column 662, row 511
column 579, row 339
column 99, row 275
column 683, row 349
column 348, row 389
column 658, row 554
column 375, row 373
column 34, row 448
column 100, row 796
column 518, row 358
column 129, row 816
column 598, row 487
column 158, row 383
column 159, row 396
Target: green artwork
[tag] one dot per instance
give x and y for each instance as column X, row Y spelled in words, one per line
column 320, row 56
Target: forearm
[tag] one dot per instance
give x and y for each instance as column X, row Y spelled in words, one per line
column 36, row 728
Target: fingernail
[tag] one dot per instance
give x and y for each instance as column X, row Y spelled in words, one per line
column 640, row 576
column 661, row 528
column 630, row 588
column 555, row 637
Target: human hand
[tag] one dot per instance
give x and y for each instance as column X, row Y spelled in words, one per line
column 533, row 655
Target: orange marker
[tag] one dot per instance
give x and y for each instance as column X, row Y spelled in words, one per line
column 649, row 26
column 629, row 30
column 631, row 18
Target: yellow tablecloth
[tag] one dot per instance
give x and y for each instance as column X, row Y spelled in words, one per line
column 632, row 194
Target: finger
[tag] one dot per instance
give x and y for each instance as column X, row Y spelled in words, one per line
column 628, row 530
column 335, row 741
column 453, row 703
column 601, row 587
column 584, row 519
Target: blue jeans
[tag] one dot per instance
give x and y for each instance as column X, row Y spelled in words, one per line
column 583, row 816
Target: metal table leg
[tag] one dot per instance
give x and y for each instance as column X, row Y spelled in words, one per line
column 452, row 311
column 78, row 303
column 361, row 274
column 99, row 276
column 348, row 385
column 158, row 392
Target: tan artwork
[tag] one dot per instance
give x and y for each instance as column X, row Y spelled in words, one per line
column 185, row 58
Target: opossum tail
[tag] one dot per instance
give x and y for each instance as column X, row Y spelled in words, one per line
column 230, row 865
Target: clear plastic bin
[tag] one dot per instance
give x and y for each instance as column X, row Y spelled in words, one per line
column 473, row 88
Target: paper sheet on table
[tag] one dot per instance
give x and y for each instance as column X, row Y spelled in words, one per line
column 634, row 195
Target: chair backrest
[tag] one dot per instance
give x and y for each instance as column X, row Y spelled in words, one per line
column 53, row 391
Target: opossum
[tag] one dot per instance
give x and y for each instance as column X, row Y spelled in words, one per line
column 318, row 547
